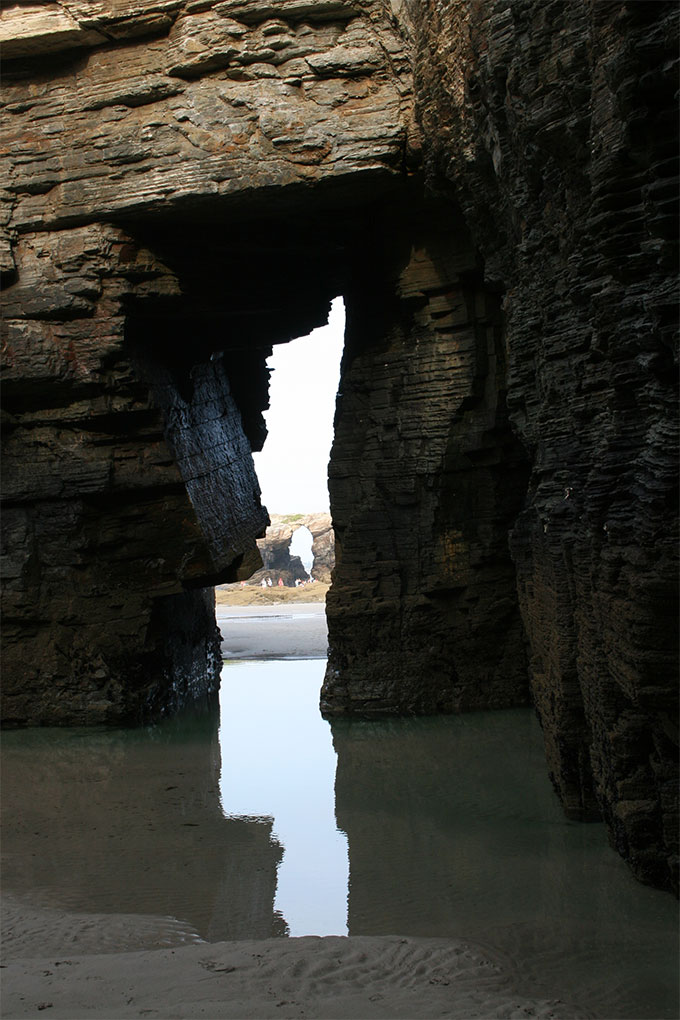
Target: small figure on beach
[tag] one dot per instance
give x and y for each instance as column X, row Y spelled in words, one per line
column 280, row 582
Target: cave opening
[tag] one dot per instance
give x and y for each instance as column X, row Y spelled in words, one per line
column 425, row 478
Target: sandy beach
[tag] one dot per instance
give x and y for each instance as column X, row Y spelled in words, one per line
column 284, row 630
column 55, row 966
column 254, row 595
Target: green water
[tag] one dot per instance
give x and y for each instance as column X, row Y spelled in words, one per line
column 270, row 821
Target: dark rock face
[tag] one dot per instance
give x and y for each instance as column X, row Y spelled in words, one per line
column 110, row 516
column 135, row 376
column 490, row 187
column 561, row 128
column 425, row 480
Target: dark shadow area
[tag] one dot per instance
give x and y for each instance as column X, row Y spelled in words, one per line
column 129, row 822
column 454, row 831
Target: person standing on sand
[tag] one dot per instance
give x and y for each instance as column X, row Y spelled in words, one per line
column 280, row 582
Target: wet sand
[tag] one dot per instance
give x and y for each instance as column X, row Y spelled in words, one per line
column 352, row 978
column 287, row 630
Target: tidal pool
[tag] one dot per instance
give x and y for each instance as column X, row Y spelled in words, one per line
column 265, row 820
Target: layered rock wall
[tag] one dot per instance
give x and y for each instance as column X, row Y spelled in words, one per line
column 425, row 480
column 120, row 493
column 175, row 198
column 560, row 139
column 168, row 103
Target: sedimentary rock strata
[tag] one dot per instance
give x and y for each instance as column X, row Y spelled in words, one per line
column 561, row 144
column 134, row 386
column 491, row 187
column 274, row 548
column 425, row 479
column 123, row 492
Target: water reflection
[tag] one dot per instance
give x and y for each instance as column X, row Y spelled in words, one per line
column 454, row 831
column 451, row 825
column 130, row 822
column 278, row 761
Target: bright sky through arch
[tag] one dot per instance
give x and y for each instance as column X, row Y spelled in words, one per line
column 293, row 466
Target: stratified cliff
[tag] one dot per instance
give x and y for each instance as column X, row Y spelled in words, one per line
column 125, row 487
column 183, row 184
column 556, row 125
column 425, row 480
column 491, row 187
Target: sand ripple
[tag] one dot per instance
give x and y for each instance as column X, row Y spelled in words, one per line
column 334, row 978
column 33, row 932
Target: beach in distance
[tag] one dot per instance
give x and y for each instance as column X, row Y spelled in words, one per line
column 254, row 595
column 273, row 623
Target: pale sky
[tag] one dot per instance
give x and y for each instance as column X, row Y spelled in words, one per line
column 293, row 465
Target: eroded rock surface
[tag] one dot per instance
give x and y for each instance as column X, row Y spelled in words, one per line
column 275, row 549
column 491, row 188
column 223, row 98
column 134, row 371
column 124, row 490
column 561, row 144
column 425, row 480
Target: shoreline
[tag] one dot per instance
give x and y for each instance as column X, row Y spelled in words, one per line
column 282, row 630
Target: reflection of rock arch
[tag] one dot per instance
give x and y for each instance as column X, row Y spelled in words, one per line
column 275, row 547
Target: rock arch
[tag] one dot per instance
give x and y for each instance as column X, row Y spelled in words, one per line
column 275, row 546
column 187, row 184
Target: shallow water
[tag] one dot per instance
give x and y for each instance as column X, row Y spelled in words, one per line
column 272, row 822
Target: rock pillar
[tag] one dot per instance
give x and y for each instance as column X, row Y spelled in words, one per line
column 127, row 490
column 425, row 480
